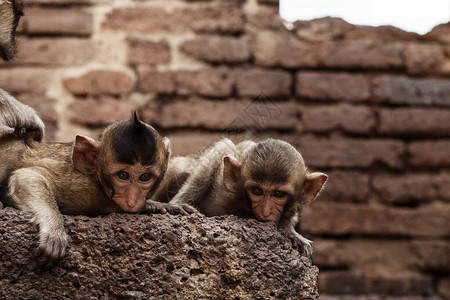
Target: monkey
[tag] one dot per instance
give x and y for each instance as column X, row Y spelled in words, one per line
column 10, row 13
column 19, row 123
column 267, row 181
column 117, row 173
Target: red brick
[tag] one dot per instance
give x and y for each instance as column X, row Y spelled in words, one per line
column 414, row 122
column 440, row 33
column 217, row 82
column 341, row 283
column 361, row 55
column 345, row 186
column 58, row 21
column 403, row 90
column 271, row 2
column 348, row 118
column 266, row 17
column 335, row 219
column 217, row 49
column 100, row 82
column 349, row 153
column 424, row 58
column 332, row 86
column 99, row 112
column 148, row 52
column 190, row 142
column 429, row 154
column 412, row 188
column 65, row 2
column 25, row 80
column 251, row 83
column 383, row 256
column 45, row 106
column 282, row 49
column 222, row 17
column 322, row 29
column 56, row 51
column 380, row 33
column 213, row 115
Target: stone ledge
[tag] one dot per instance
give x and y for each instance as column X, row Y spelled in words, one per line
column 156, row 256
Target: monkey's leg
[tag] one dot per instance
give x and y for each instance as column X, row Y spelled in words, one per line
column 201, row 181
column 306, row 246
column 31, row 191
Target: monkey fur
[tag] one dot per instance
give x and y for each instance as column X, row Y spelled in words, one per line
column 267, row 181
column 10, row 13
column 118, row 173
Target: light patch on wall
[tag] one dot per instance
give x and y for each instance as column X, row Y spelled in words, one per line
column 411, row 15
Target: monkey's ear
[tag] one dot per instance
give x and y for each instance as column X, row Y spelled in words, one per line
column 84, row 154
column 166, row 144
column 314, row 182
column 231, row 173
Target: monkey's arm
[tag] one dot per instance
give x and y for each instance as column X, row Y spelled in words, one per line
column 201, row 181
column 287, row 227
column 30, row 190
column 16, row 117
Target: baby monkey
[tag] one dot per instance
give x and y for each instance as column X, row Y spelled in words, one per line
column 118, row 173
column 267, row 181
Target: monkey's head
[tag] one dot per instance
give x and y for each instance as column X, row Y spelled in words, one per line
column 10, row 13
column 273, row 176
column 130, row 160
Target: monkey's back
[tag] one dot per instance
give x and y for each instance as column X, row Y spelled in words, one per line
column 75, row 192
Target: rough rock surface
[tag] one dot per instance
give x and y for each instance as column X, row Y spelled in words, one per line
column 156, row 256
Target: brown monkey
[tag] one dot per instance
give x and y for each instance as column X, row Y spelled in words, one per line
column 10, row 13
column 116, row 174
column 266, row 180
column 17, row 121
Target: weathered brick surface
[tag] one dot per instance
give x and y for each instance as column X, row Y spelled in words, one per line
column 422, row 59
column 225, row 17
column 100, row 82
column 141, row 51
column 412, row 189
column 440, row 33
column 401, row 90
column 366, row 254
column 217, row 49
column 429, row 154
column 251, row 83
column 99, row 111
column 332, row 86
column 361, row 55
column 25, row 80
column 56, row 51
column 217, row 82
column 345, row 186
column 197, row 113
column 351, row 153
column 58, row 21
column 414, row 122
column 348, row 118
column 375, row 220
column 281, row 49
column 337, row 282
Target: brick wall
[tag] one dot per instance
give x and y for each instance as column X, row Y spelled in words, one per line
column 369, row 106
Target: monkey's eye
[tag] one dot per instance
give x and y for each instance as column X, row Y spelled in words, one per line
column 123, row 175
column 145, row 177
column 257, row 191
column 279, row 194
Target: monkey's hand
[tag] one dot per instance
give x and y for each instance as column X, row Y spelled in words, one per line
column 52, row 247
column 173, row 209
column 304, row 246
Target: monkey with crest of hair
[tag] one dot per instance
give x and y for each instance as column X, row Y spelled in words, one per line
column 118, row 173
column 17, row 121
column 267, row 181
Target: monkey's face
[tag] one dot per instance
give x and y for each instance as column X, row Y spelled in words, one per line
column 130, row 184
column 268, row 200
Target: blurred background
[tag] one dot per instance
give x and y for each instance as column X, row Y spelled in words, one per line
column 369, row 106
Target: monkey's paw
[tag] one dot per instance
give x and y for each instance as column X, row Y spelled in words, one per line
column 180, row 209
column 304, row 246
column 52, row 247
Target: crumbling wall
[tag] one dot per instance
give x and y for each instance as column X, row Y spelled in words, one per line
column 123, row 256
